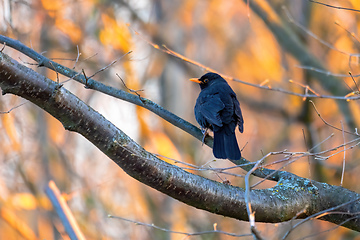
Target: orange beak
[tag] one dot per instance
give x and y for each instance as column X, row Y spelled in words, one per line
column 195, row 80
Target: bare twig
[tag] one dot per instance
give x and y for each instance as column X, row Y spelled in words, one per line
column 352, row 34
column 343, row 165
column 328, row 230
column 317, row 38
column 193, row 167
column 178, row 232
column 331, row 6
column 71, row 78
column 57, row 74
column 261, row 85
column 222, row 180
column 321, row 214
column 340, row 151
column 328, row 124
column 352, row 77
column 250, row 213
column 353, row 93
column 86, row 78
column 289, row 159
column 112, row 63
column 308, row 32
column 95, row 54
column 307, row 150
column 2, row 49
column 327, row 73
column 307, row 89
column 129, row 89
column 294, row 156
column 120, row 94
column 77, row 57
column 13, row 108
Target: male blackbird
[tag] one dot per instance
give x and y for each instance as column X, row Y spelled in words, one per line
column 218, row 109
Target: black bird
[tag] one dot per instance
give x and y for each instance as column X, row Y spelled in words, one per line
column 218, row 109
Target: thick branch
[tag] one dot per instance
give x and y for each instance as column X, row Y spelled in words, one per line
column 142, row 102
column 281, row 203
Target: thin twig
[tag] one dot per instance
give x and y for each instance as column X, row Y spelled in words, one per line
column 13, row 108
column 112, row 63
column 310, row 68
column 222, row 180
column 317, row 38
column 77, row 57
column 328, row 124
column 352, row 34
column 76, row 75
column 330, row 229
column 307, row 150
column 352, row 77
column 343, row 165
column 2, row 49
column 86, row 78
column 294, row 156
column 291, row 222
column 320, row 214
column 353, row 93
column 57, row 74
column 193, row 167
column 307, row 88
column 331, row 6
column 95, row 54
column 131, row 90
column 340, row 151
column 291, row 19
column 261, row 86
column 178, row 232
column 250, row 213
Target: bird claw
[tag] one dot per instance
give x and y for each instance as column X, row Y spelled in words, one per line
column 204, row 132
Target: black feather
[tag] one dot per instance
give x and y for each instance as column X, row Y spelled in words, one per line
column 218, row 109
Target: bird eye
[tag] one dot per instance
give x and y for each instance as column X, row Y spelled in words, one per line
column 206, row 80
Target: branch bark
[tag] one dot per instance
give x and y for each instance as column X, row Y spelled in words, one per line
column 291, row 196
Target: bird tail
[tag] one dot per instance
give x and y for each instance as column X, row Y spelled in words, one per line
column 225, row 145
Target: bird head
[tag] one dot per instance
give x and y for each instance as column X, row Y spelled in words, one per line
column 207, row 79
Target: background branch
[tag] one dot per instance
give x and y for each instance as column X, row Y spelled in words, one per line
column 289, row 41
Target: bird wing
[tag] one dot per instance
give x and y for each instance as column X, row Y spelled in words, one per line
column 209, row 108
column 240, row 120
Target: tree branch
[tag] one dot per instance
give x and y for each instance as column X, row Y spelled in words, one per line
column 270, row 205
column 140, row 101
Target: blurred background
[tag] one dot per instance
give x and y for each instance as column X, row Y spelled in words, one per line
column 223, row 35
